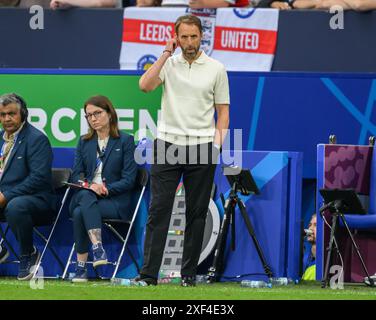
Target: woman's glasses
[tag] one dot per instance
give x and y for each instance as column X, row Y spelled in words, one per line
column 95, row 114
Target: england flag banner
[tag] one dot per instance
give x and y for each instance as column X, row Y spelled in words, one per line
column 242, row 39
column 145, row 33
column 246, row 39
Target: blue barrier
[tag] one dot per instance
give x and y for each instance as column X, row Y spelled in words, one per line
column 275, row 215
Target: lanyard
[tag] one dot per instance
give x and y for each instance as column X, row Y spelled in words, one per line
column 101, row 154
column 3, row 148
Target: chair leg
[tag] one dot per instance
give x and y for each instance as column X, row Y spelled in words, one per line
column 122, row 240
column 47, row 241
column 44, row 249
column 133, row 259
column 10, row 247
column 128, row 233
column 68, row 262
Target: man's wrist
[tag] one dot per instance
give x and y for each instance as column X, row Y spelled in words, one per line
column 168, row 51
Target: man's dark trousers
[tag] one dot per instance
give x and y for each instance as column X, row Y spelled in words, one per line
column 198, row 179
column 22, row 214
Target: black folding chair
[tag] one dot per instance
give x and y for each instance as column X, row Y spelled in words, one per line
column 3, row 235
column 113, row 226
column 59, row 176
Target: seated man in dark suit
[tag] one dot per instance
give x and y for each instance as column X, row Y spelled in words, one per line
column 26, row 195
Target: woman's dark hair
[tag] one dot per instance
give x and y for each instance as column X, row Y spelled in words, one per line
column 105, row 104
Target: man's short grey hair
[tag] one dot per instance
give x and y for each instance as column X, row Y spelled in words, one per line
column 10, row 98
column 188, row 19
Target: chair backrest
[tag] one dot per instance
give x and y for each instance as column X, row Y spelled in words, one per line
column 141, row 182
column 60, row 175
column 372, row 187
column 350, row 167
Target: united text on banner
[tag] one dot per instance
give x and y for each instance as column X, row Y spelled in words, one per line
column 246, row 39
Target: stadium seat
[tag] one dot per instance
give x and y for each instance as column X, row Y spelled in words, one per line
column 353, row 167
column 349, row 167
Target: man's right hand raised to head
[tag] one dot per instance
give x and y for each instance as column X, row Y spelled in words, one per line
column 171, row 45
column 150, row 79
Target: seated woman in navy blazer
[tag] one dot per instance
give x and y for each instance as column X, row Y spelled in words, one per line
column 105, row 158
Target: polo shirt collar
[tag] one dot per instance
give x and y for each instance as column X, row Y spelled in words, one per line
column 201, row 59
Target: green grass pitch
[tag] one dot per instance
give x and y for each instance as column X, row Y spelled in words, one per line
column 11, row 289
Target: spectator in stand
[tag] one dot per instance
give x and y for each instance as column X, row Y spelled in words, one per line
column 304, row 4
column 148, row 3
column 281, row 5
column 65, row 4
column 358, row 5
column 197, row 4
column 9, row 3
column 24, row 3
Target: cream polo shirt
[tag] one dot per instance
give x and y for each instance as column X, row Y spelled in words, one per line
column 190, row 93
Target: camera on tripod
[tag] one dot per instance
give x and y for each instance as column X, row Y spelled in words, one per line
column 242, row 178
column 338, row 202
column 241, row 181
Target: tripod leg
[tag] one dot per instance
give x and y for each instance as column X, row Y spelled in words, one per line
column 324, row 281
column 251, row 231
column 232, row 221
column 357, row 250
column 217, row 266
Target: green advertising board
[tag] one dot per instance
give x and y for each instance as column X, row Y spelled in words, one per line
column 55, row 102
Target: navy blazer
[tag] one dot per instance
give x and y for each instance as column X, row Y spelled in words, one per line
column 28, row 169
column 119, row 168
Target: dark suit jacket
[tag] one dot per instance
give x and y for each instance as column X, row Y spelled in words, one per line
column 28, row 169
column 119, row 168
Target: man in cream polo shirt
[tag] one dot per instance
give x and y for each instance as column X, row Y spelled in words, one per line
column 189, row 139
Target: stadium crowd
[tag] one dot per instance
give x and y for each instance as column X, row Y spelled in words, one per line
column 358, row 5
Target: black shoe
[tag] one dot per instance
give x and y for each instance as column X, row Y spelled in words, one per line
column 150, row 281
column 188, row 281
column 27, row 265
column 81, row 273
column 368, row 283
column 4, row 254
